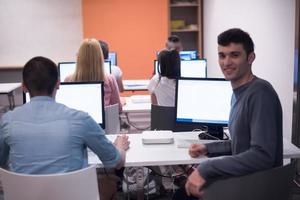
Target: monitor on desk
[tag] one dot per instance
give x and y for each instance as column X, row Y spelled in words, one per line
column 84, row 96
column 188, row 55
column 188, row 68
column 203, row 102
column 112, row 57
column 67, row 68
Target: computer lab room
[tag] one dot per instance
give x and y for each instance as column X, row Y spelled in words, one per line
column 140, row 99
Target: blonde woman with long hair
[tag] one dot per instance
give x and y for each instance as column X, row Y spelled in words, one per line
column 90, row 67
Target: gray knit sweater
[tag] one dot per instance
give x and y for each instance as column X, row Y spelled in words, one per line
column 255, row 126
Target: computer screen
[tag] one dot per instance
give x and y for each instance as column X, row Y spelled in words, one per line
column 67, row 68
column 84, row 96
column 203, row 101
column 188, row 55
column 112, row 57
column 189, row 68
column 193, row 68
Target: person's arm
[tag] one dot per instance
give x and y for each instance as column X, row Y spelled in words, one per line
column 153, row 99
column 112, row 156
column 4, row 148
column 115, row 95
column 122, row 144
column 119, row 77
column 120, row 83
column 264, row 116
column 151, row 88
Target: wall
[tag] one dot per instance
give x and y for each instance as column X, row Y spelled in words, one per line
column 271, row 23
column 135, row 29
column 39, row 27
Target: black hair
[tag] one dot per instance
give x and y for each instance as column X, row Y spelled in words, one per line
column 105, row 49
column 40, row 76
column 169, row 62
column 236, row 35
column 173, row 38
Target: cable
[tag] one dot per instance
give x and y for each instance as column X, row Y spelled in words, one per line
column 186, row 172
column 206, row 134
column 134, row 126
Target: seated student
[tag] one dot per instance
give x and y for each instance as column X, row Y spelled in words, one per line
column 115, row 70
column 162, row 85
column 90, row 67
column 45, row 137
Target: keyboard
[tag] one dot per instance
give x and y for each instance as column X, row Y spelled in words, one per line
column 186, row 143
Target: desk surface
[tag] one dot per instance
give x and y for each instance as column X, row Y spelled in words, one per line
column 6, row 88
column 131, row 107
column 134, row 85
column 140, row 154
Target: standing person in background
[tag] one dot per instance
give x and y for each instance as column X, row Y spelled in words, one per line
column 115, row 70
column 255, row 121
column 90, row 67
column 174, row 43
column 162, row 85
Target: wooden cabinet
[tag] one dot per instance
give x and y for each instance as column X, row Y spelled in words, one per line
column 185, row 21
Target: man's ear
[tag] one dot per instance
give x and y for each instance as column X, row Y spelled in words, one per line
column 24, row 88
column 57, row 84
column 251, row 57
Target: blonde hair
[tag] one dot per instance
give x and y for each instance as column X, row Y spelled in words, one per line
column 90, row 62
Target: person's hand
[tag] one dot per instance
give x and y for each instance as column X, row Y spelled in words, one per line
column 197, row 150
column 194, row 184
column 122, row 142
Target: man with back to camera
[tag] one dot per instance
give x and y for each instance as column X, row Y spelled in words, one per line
column 45, row 137
column 255, row 121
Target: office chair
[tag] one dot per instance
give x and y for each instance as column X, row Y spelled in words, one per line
column 271, row 184
column 162, row 117
column 77, row 185
column 112, row 119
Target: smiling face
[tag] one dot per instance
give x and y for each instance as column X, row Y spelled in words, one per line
column 235, row 63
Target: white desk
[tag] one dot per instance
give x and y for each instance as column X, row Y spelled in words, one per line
column 135, row 85
column 131, row 107
column 8, row 89
column 140, row 154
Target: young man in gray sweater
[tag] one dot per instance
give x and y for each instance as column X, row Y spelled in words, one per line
column 255, row 121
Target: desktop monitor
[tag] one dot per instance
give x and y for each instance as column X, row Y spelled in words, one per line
column 188, row 55
column 84, row 96
column 189, row 68
column 67, row 68
column 203, row 102
column 112, row 57
column 193, row 68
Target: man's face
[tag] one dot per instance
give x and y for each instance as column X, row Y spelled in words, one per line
column 234, row 63
column 174, row 46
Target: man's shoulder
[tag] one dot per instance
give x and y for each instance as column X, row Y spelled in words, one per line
column 260, row 84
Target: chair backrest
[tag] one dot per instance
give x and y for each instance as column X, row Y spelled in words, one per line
column 112, row 119
column 76, row 185
column 271, row 184
column 162, row 117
